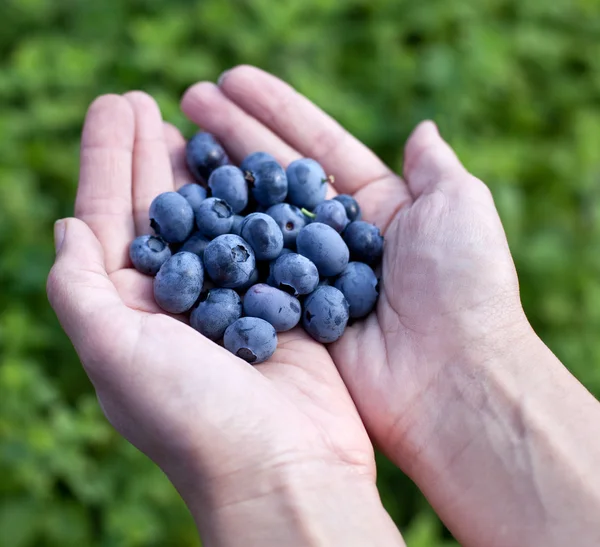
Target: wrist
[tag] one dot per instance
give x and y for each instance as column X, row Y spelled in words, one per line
column 307, row 505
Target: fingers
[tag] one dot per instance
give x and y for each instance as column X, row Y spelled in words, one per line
column 104, row 193
column 304, row 126
column 176, row 146
column 429, row 161
column 151, row 164
column 208, row 107
column 85, row 301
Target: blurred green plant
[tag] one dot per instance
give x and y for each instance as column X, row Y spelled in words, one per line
column 514, row 86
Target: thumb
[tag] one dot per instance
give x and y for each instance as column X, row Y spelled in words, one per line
column 85, row 300
column 430, row 162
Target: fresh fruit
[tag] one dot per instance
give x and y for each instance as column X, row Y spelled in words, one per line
column 229, row 261
column 228, row 183
column 171, row 217
column 196, row 244
column 364, row 241
column 218, row 308
column 290, row 220
column 214, row 217
column 325, row 314
column 275, row 252
column 236, row 225
column 178, row 283
column 269, row 183
column 251, row 339
column 263, row 235
column 203, row 155
column 358, row 284
column 148, row 253
column 324, row 247
column 194, row 193
column 295, row 274
column 351, row 205
column 332, row 213
column 252, row 161
column 307, row 183
column 273, row 305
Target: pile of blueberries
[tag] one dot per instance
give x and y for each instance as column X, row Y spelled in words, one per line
column 260, row 254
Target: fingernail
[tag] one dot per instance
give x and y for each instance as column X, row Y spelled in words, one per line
column 60, row 227
column 222, row 77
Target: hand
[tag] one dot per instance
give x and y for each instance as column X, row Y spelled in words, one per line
column 447, row 375
column 266, row 445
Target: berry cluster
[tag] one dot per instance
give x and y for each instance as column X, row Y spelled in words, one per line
column 255, row 250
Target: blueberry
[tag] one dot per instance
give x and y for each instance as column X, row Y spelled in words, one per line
column 277, row 307
column 251, row 339
column 218, row 308
column 270, row 279
column 269, row 183
column 228, row 183
column 332, row 213
column 203, row 155
column 214, row 217
column 263, row 235
column 324, row 247
column 290, row 220
column 295, row 273
column 196, row 244
column 229, row 261
column 251, row 162
column 171, row 217
column 351, row 205
column 148, row 253
column 178, row 283
column 236, row 226
column 364, row 241
column 253, row 280
column 358, row 284
column 307, row 183
column 194, row 193
column 325, row 314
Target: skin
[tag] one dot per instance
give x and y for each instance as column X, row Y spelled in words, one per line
column 448, row 377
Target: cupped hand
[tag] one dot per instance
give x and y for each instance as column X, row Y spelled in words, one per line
column 225, row 432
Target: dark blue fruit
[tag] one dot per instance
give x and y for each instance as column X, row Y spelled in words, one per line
column 203, row 155
column 358, row 284
column 218, row 308
column 236, row 226
column 332, row 213
column 196, row 244
column 194, row 193
column 270, row 279
column 364, row 241
column 171, row 217
column 295, row 274
column 228, row 183
column 229, row 261
column 351, row 205
column 324, row 247
column 214, row 217
column 269, row 183
column 252, row 339
column 252, row 161
column 263, row 235
column 277, row 307
column 307, row 183
column 290, row 220
column 148, row 253
column 178, row 283
column 325, row 314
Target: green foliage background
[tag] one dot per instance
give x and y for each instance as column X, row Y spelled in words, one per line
column 514, row 85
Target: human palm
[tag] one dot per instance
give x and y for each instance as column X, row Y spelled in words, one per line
column 185, row 401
